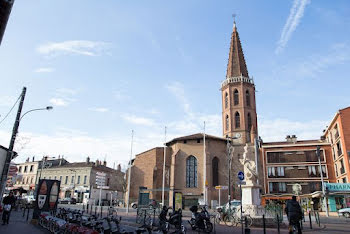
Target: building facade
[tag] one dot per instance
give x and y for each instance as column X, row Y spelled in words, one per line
column 292, row 168
column 78, row 180
column 27, row 176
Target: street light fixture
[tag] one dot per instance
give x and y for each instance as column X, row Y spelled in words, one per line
column 37, row 109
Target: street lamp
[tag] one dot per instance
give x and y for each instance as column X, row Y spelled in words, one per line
column 321, row 173
column 37, row 109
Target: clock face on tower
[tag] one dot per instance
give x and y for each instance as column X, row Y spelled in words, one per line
column 238, row 135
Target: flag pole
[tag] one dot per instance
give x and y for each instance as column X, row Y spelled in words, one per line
column 129, row 172
column 205, row 169
column 164, row 158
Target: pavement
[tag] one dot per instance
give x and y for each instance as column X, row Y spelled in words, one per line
column 19, row 224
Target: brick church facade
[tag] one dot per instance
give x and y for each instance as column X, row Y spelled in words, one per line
column 193, row 168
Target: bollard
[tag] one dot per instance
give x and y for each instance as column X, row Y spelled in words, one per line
column 310, row 220
column 95, row 210
column 101, row 211
column 83, row 207
column 87, row 208
column 278, row 224
column 28, row 214
column 246, row 229
column 24, row 211
column 318, row 217
column 264, row 224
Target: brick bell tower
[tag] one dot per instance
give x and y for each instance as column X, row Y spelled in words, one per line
column 238, row 96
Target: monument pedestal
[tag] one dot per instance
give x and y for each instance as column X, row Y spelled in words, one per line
column 251, row 201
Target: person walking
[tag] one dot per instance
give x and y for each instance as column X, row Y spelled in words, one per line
column 294, row 214
column 9, row 203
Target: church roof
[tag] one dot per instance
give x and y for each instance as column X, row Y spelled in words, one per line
column 236, row 63
column 196, row 136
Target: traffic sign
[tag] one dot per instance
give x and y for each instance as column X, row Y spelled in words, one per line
column 222, row 187
column 240, row 175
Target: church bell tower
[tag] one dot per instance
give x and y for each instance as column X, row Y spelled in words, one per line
column 238, row 96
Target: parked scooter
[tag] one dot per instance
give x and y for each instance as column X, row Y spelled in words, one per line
column 175, row 220
column 200, row 221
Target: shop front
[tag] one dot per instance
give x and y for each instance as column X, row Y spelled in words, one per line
column 338, row 195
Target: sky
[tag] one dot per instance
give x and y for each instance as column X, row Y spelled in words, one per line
column 110, row 67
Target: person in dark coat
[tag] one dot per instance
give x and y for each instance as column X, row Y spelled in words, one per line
column 294, row 214
column 9, row 200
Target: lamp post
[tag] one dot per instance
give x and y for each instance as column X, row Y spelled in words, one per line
column 318, row 153
column 230, row 150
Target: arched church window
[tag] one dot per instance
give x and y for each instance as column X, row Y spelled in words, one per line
column 215, row 171
column 227, row 122
column 247, row 97
column 237, row 120
column 191, row 172
column 226, row 100
column 235, row 97
column 249, row 121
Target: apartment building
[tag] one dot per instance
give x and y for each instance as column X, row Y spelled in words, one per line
column 292, row 167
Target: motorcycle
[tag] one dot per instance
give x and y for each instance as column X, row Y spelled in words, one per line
column 175, row 219
column 200, row 221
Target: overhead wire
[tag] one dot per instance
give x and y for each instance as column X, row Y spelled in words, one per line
column 11, row 109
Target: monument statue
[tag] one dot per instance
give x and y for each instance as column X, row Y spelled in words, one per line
column 249, row 166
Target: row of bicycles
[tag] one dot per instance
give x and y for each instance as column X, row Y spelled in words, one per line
column 67, row 221
column 232, row 217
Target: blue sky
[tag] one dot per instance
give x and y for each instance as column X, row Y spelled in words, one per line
column 109, row 67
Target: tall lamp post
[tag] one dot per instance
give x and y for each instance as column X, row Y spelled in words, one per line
column 318, row 153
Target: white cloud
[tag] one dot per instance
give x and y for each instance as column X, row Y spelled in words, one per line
column 58, row 102
column 99, row 109
column 138, row 120
column 278, row 129
column 44, row 70
column 80, row 47
column 178, row 90
column 295, row 15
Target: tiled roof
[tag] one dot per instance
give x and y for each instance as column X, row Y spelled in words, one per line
column 236, row 63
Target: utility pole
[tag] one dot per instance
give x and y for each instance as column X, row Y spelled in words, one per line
column 9, row 154
column 164, row 158
column 129, row 173
column 318, row 153
column 205, row 169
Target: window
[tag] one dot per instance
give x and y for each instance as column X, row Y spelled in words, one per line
column 270, row 187
column 336, row 132
column 31, row 180
column 339, row 149
column 107, row 181
column 342, row 169
column 249, row 121
column 85, row 177
column 312, row 170
column 247, row 97
column 55, row 177
column 198, row 140
column 336, row 169
column 227, row 122
column 185, row 141
column 191, row 172
column 280, row 171
column 323, row 170
column 72, row 180
column 66, row 182
column 60, row 178
column 226, row 100
column 20, row 169
column 334, row 157
column 344, row 180
column 215, row 168
column 31, row 168
column 237, row 120
column 25, row 168
column 271, row 171
column 235, row 97
column 282, row 187
column 49, row 177
column 78, row 180
column 27, row 181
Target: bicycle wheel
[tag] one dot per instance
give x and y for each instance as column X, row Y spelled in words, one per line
column 218, row 218
column 139, row 218
column 249, row 221
column 228, row 219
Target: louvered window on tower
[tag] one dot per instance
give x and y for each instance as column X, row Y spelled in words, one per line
column 236, row 97
column 249, row 121
column 226, row 100
column 237, row 120
column 247, row 97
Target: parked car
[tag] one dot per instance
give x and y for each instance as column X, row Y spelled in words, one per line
column 344, row 212
column 234, row 204
column 67, row 200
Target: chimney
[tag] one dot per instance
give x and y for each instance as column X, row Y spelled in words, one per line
column 119, row 168
column 88, row 160
column 97, row 162
column 294, row 138
column 33, row 158
column 104, row 163
column 322, row 138
column 288, row 138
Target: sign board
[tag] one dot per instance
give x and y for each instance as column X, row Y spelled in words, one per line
column 103, row 187
column 241, row 182
column 240, row 175
column 178, row 201
column 222, row 187
column 338, row 187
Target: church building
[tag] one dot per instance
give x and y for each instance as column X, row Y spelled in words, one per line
column 197, row 163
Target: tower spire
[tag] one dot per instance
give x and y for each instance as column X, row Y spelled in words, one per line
column 236, row 63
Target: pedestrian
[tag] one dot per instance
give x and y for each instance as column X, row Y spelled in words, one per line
column 294, row 214
column 9, row 203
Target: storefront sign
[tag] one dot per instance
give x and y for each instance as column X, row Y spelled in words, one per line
column 338, row 187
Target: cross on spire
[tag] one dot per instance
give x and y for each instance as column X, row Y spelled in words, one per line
column 234, row 20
